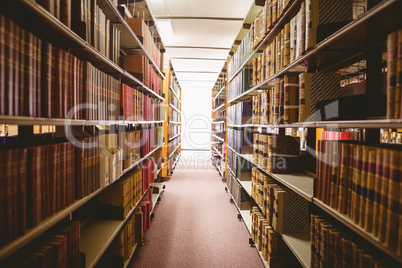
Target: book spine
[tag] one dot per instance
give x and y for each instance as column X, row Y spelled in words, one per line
column 392, row 59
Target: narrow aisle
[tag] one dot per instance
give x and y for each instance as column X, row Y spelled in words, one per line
column 195, row 225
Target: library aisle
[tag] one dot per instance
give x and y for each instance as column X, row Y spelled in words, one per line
column 195, row 224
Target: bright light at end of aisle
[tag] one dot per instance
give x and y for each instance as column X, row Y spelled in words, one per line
column 166, row 32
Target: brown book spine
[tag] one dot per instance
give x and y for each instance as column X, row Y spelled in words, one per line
column 370, row 196
column 35, row 186
column 48, row 86
column 352, row 149
column 384, row 195
column 363, row 194
column 392, row 59
column 37, row 78
column 394, row 191
column 3, row 64
column 398, row 88
column 65, row 12
column 343, row 177
column 9, row 64
column 357, row 183
column 53, row 150
column 334, row 181
column 377, row 190
column 19, row 69
column 59, row 83
column 79, row 168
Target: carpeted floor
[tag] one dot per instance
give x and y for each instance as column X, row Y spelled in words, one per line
column 195, row 225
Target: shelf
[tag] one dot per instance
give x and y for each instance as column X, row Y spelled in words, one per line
column 159, row 170
column 174, row 123
column 357, row 229
column 300, row 245
column 50, row 29
column 341, row 48
column 174, row 108
column 220, row 155
column 172, row 138
column 126, row 263
column 287, row 14
column 51, row 221
column 301, row 184
column 218, row 138
column 220, row 108
column 43, row 226
column 28, row 121
column 94, row 245
column 174, row 92
column 170, row 156
column 247, row 220
column 218, row 122
column 156, row 196
column 177, row 161
column 221, row 93
column 129, row 40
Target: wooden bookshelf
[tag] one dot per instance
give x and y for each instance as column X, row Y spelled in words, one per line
column 220, row 108
column 50, row 29
column 300, row 245
column 175, row 136
column 221, row 94
column 94, row 245
column 174, row 93
column 174, row 108
column 170, row 156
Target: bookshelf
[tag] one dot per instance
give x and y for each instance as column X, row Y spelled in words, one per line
column 48, row 28
column 172, row 90
column 344, row 47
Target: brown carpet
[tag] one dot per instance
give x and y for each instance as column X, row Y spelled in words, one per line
column 195, row 225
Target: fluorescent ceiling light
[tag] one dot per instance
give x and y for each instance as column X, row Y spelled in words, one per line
column 166, row 32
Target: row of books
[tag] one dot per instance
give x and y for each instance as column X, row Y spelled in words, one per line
column 139, row 107
column 174, row 115
column 172, row 145
column 331, row 247
column 241, row 83
column 140, row 68
column 284, row 210
column 87, row 20
column 266, row 18
column 41, row 180
column 174, row 83
column 171, row 162
column 296, row 98
column 57, row 247
column 240, row 113
column 144, row 35
column 120, row 198
column 363, row 182
column 308, row 27
column 394, row 78
column 278, row 153
column 138, row 143
column 271, row 245
column 173, row 99
column 240, row 140
column 241, row 55
column 239, row 195
column 129, row 236
column 174, row 130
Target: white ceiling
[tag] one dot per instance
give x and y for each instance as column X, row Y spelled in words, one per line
column 204, row 32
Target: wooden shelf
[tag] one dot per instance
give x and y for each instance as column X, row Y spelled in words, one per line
column 357, row 229
column 156, row 196
column 43, row 226
column 159, row 170
column 94, row 245
column 341, row 48
column 51, row 221
column 288, row 13
column 220, row 108
column 300, row 245
column 221, row 93
column 218, row 122
column 174, row 92
column 175, row 136
column 170, row 156
column 50, row 29
column 174, row 108
column 220, row 155
column 301, row 184
column 126, row 263
column 218, row 138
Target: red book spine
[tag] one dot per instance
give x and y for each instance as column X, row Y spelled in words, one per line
column 35, row 183
column 79, row 169
column 45, row 181
column 52, row 173
column 81, row 88
column 2, row 66
column 63, row 175
column 38, row 76
column 9, row 63
column 8, row 195
column 18, row 69
column 47, row 89
column 66, row 84
column 59, row 84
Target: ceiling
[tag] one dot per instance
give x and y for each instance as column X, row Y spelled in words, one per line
column 198, row 35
